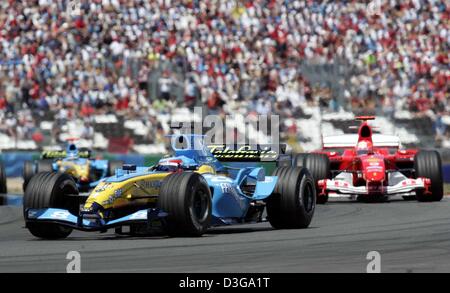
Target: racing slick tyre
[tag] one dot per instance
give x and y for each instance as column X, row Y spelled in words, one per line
column 28, row 172
column 113, row 165
column 300, row 159
column 3, row 188
column 319, row 167
column 284, row 161
column 293, row 201
column 44, row 166
column 428, row 164
column 50, row 190
column 186, row 198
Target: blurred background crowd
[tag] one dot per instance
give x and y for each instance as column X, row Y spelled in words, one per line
column 73, row 66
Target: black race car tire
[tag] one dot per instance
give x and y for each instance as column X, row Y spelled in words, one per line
column 292, row 203
column 428, row 164
column 50, row 190
column 299, row 160
column 319, row 167
column 284, row 161
column 28, row 172
column 186, row 198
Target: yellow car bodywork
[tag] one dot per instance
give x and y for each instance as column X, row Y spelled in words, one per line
column 134, row 191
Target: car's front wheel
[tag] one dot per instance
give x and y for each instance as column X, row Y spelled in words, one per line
column 428, row 164
column 50, row 190
column 187, row 200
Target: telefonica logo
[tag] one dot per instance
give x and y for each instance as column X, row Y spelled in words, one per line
column 233, row 130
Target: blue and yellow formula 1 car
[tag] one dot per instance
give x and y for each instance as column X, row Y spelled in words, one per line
column 184, row 195
column 86, row 172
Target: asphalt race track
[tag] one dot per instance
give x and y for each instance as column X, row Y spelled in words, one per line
column 410, row 236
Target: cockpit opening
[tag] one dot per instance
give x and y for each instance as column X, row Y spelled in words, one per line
column 365, row 131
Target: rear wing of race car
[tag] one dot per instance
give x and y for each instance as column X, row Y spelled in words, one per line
column 350, row 141
column 194, row 146
column 86, row 154
column 364, row 118
column 247, row 152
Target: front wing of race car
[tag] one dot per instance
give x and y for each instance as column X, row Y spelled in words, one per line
column 90, row 221
column 338, row 187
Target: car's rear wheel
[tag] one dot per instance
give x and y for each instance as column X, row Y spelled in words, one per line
column 300, row 159
column 319, row 167
column 186, row 198
column 50, row 190
column 284, row 161
column 28, row 173
column 3, row 188
column 428, row 164
column 292, row 204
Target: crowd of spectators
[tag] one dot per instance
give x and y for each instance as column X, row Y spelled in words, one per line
column 80, row 58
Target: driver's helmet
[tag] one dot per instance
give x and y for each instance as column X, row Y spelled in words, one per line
column 72, row 152
column 364, row 148
column 169, row 165
column 174, row 164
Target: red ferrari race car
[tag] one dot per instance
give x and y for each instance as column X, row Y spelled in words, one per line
column 372, row 167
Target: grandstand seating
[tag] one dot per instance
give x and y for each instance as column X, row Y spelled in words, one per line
column 316, row 64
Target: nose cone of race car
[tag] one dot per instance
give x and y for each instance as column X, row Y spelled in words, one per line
column 374, row 169
column 105, row 195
